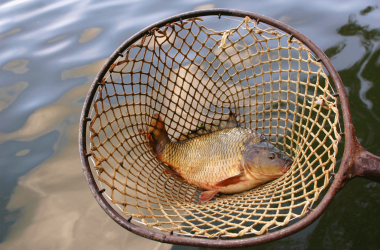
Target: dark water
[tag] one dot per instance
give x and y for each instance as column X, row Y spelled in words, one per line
column 50, row 53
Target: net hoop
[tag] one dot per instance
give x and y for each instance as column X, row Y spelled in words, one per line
column 170, row 237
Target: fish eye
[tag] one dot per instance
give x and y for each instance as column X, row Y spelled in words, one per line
column 271, row 155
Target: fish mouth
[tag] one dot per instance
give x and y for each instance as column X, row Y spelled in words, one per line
column 286, row 167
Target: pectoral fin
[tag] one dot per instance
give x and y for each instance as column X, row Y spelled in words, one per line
column 169, row 172
column 232, row 180
column 208, row 195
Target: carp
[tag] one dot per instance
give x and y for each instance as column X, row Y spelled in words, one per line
column 228, row 159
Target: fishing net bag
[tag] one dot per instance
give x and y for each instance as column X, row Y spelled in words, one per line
column 192, row 74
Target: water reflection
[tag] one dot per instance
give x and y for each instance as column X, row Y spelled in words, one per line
column 13, row 31
column 89, row 34
column 22, row 152
column 368, row 38
column 9, row 93
column 15, row 162
column 17, row 66
column 53, row 51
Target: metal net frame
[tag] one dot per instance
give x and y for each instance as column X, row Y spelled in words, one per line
column 191, row 75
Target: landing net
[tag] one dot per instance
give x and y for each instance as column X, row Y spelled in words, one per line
column 193, row 75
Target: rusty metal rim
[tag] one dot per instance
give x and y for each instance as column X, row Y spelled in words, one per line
column 346, row 172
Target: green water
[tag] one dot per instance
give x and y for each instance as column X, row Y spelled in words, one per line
column 51, row 52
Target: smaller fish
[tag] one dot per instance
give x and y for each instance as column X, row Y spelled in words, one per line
column 219, row 159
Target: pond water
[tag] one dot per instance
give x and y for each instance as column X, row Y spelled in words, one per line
column 50, row 54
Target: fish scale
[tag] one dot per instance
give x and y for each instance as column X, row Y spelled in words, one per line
column 208, row 159
column 223, row 158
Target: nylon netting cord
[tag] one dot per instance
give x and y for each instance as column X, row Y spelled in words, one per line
column 193, row 75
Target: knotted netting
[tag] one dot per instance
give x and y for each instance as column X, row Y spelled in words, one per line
column 192, row 75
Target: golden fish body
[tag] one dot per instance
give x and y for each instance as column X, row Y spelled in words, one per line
column 206, row 160
column 229, row 160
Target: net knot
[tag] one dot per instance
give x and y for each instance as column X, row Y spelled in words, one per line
column 193, row 19
column 224, row 38
column 322, row 101
column 246, row 20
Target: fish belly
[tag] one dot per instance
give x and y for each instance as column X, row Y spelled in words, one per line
column 244, row 185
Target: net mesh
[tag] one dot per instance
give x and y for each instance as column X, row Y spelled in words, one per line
column 192, row 75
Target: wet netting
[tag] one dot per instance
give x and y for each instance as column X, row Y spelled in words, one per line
column 192, row 75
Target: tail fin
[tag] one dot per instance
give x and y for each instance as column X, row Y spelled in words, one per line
column 157, row 136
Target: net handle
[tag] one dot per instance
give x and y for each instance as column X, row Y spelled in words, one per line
column 362, row 163
column 346, row 171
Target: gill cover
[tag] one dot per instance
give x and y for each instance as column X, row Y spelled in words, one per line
column 264, row 158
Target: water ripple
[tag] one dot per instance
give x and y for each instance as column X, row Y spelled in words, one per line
column 51, row 52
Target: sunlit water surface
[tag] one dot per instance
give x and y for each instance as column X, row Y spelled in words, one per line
column 51, row 52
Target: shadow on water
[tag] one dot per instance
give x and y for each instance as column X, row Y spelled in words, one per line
column 351, row 221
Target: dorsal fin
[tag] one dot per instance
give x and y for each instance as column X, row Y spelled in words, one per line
column 227, row 121
column 230, row 122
